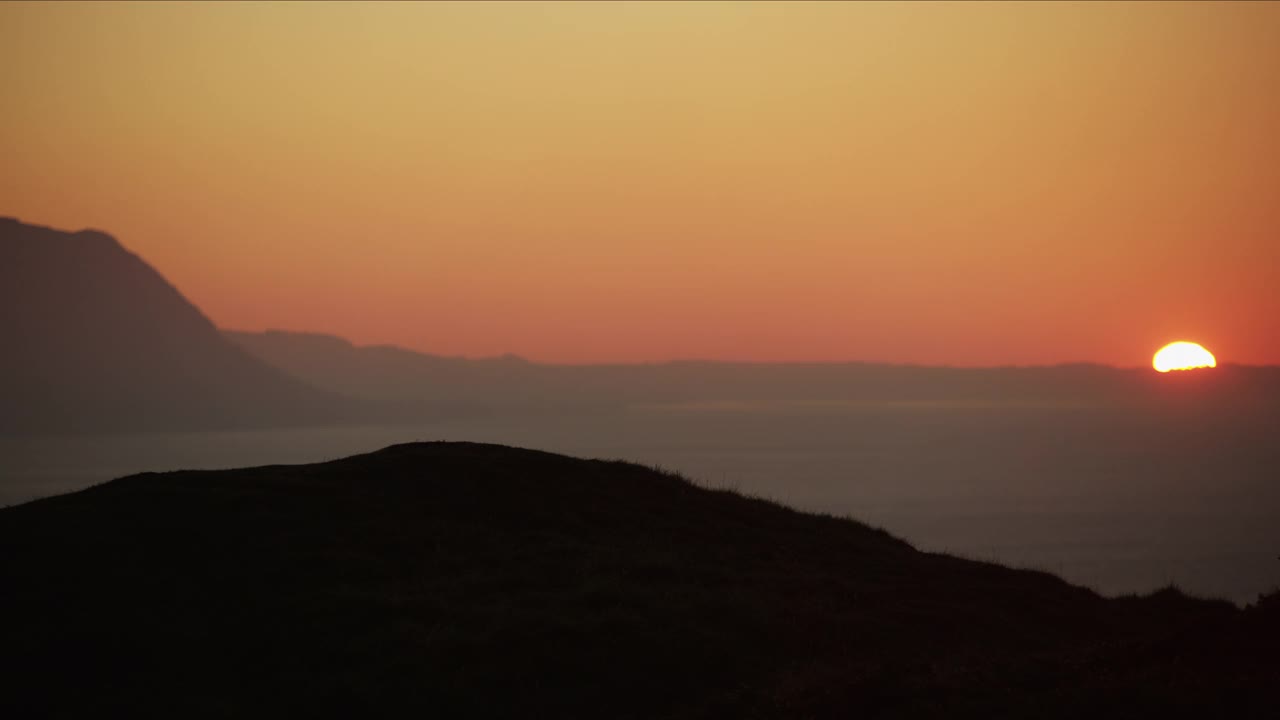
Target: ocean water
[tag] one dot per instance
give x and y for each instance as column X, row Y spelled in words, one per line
column 1120, row 500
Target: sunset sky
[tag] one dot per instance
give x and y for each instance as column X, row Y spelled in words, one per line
column 942, row 184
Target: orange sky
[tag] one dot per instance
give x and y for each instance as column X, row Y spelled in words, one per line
column 942, row 184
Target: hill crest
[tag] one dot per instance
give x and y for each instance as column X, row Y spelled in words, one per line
column 476, row 580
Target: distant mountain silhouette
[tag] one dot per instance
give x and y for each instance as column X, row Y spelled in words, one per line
column 95, row 339
column 462, row 580
column 412, row 381
column 450, row 384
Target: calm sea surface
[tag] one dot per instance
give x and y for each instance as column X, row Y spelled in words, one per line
column 1118, row 500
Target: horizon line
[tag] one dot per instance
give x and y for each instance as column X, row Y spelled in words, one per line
column 512, row 356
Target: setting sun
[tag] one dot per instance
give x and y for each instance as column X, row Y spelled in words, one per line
column 1182, row 355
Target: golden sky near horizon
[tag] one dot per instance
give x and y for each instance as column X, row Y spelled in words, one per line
column 932, row 183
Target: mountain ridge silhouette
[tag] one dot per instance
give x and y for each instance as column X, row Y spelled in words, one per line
column 387, row 372
column 98, row 340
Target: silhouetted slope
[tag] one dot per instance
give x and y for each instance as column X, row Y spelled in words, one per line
column 95, row 339
column 464, row 580
column 410, row 381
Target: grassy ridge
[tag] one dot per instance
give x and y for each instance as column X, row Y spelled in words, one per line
column 458, row 579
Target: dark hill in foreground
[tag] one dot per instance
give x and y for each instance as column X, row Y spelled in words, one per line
column 464, row 580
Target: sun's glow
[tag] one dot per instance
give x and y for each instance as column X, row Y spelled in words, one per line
column 1182, row 355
